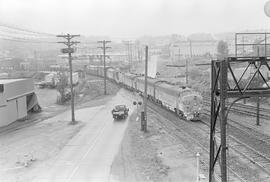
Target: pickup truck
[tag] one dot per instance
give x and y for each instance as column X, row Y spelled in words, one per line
column 120, row 112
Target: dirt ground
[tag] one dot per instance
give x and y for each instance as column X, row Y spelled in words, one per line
column 28, row 143
column 23, row 150
column 152, row 156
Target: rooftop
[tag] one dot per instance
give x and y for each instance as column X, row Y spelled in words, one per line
column 5, row 81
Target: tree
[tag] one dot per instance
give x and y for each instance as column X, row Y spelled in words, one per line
column 62, row 84
column 222, row 50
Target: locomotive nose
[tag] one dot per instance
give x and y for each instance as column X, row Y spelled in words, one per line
column 191, row 105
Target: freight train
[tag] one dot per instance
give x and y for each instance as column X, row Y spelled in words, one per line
column 182, row 100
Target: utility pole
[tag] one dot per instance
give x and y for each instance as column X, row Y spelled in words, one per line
column 144, row 118
column 258, row 98
column 104, row 42
column 190, row 48
column 187, row 71
column 129, row 53
column 139, row 55
column 36, row 60
column 179, row 55
column 70, row 50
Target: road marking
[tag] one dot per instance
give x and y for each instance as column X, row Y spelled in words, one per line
column 8, row 169
column 87, row 152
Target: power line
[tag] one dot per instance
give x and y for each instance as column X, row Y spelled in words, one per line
column 17, row 32
column 25, row 41
column 20, row 39
column 24, row 30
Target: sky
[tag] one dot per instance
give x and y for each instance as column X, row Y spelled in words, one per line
column 133, row 18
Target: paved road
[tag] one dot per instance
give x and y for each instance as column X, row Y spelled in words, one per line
column 89, row 155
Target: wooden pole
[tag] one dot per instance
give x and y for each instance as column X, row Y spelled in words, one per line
column 145, row 91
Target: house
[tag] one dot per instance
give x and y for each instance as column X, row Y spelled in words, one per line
column 17, row 98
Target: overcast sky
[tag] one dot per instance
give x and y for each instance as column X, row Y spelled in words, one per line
column 131, row 18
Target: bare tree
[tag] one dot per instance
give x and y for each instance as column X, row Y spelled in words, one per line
column 61, row 87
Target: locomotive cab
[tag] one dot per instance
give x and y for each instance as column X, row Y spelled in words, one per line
column 191, row 105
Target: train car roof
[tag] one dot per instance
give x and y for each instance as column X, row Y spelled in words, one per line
column 172, row 89
column 111, row 69
column 150, row 80
column 167, row 85
column 130, row 75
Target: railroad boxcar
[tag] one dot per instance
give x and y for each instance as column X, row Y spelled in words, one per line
column 129, row 80
column 167, row 95
column 92, row 69
column 100, row 71
column 119, row 77
column 139, row 86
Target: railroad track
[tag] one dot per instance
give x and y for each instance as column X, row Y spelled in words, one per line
column 244, row 109
column 250, row 152
column 245, row 127
column 256, row 157
column 179, row 130
column 255, row 150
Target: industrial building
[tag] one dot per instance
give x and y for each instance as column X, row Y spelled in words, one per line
column 17, row 98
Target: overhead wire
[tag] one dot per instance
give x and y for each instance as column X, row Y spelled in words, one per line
column 25, row 30
column 19, row 34
column 23, row 39
column 12, row 33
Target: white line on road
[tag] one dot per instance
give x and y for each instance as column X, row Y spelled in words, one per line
column 87, row 152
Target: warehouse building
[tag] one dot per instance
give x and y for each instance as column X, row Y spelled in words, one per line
column 17, row 98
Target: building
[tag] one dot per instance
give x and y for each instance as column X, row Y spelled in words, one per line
column 10, row 64
column 17, row 98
